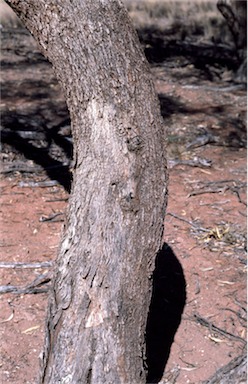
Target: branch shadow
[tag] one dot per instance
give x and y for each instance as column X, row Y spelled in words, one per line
column 166, row 308
column 170, row 105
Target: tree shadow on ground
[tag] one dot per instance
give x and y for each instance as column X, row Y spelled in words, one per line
column 166, row 308
column 170, row 105
column 16, row 133
column 232, row 132
column 160, row 45
column 35, row 122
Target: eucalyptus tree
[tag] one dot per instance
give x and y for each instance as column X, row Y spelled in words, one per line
column 98, row 307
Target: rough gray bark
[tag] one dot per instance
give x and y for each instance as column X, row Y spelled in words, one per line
column 98, row 309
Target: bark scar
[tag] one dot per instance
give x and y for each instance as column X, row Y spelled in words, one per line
column 134, row 144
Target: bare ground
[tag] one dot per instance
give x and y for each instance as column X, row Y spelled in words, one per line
column 206, row 216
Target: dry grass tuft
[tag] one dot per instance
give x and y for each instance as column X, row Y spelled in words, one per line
column 198, row 17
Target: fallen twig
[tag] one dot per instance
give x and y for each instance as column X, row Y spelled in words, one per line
column 214, row 328
column 195, row 162
column 202, row 192
column 51, row 217
column 34, row 287
column 172, row 375
column 40, row 184
column 19, row 167
column 28, row 135
column 242, row 318
column 242, row 306
column 55, row 200
column 17, row 264
column 202, row 140
column 217, row 187
column 188, row 222
column 235, row 190
column 24, row 167
column 233, row 372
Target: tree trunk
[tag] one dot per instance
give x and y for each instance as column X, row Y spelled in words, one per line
column 102, row 286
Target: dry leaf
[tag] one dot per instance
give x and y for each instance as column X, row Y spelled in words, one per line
column 188, row 369
column 216, row 340
column 206, row 269
column 29, row 330
column 8, row 319
column 222, row 282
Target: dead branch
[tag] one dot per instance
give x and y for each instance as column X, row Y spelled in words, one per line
column 28, row 135
column 24, row 167
column 242, row 306
column 200, row 141
column 17, row 264
column 188, row 222
column 242, row 319
column 218, row 187
column 233, row 372
column 35, row 287
column 55, row 200
column 51, row 217
column 40, row 184
column 172, row 375
column 214, row 328
column 195, row 162
column 202, row 192
column 19, row 167
column 209, row 52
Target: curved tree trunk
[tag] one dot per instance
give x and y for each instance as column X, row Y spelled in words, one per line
column 98, row 309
